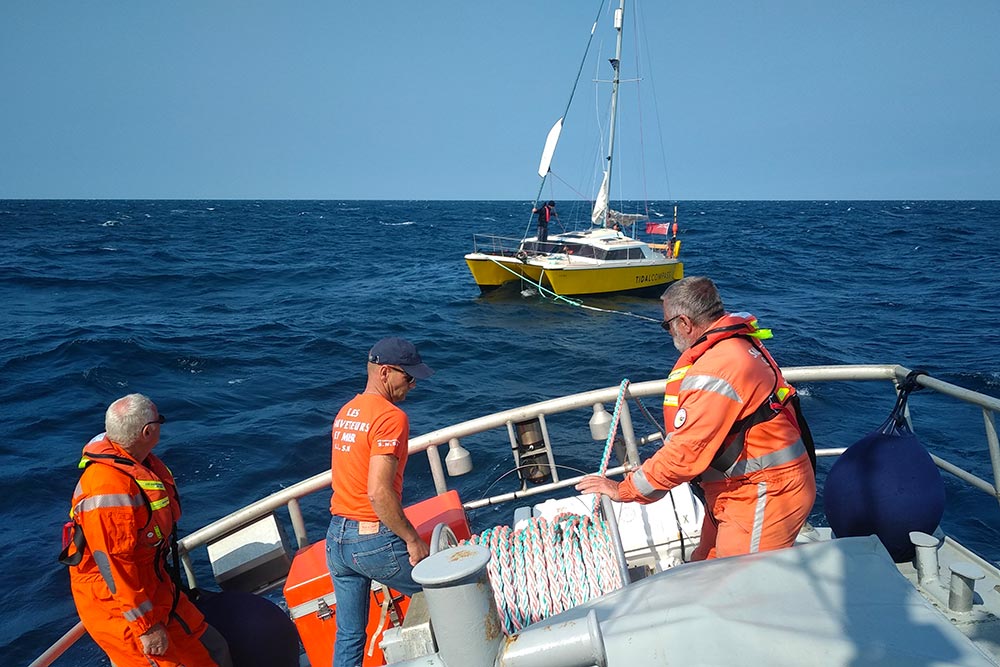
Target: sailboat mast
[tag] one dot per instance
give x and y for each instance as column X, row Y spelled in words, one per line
column 616, row 64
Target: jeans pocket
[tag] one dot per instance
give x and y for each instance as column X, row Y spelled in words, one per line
column 380, row 564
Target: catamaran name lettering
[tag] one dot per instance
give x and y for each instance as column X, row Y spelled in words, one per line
column 651, row 278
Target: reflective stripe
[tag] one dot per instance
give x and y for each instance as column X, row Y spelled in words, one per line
column 644, row 488
column 678, row 373
column 758, row 517
column 770, row 460
column 159, row 504
column 711, row 383
column 107, row 500
column 132, row 615
column 670, row 401
column 150, row 485
column 104, row 566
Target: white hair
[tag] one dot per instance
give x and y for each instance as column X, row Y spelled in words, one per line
column 126, row 417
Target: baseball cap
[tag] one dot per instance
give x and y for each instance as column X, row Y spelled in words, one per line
column 400, row 352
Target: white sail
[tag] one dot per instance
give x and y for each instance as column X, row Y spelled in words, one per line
column 550, row 148
column 601, row 204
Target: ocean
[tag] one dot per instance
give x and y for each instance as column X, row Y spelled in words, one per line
column 248, row 323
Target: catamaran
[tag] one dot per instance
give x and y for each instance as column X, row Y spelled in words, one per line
column 602, row 258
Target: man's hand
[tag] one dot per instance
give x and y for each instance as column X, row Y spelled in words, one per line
column 418, row 550
column 597, row 484
column 155, row 640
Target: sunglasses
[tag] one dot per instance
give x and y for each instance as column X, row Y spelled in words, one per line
column 406, row 376
column 666, row 323
column 159, row 420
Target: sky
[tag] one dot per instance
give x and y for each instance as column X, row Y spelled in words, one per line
column 396, row 99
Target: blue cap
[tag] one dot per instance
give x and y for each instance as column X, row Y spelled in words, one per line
column 400, row 352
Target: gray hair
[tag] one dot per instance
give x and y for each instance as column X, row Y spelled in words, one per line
column 695, row 296
column 126, row 417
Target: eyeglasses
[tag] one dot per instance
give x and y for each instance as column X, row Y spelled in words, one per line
column 666, row 323
column 159, row 420
column 406, row 376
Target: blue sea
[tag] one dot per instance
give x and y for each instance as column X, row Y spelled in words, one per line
column 248, row 323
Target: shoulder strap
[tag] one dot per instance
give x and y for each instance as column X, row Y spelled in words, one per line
column 766, row 411
column 807, row 438
column 77, row 540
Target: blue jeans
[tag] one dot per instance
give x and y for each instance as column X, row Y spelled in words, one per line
column 354, row 561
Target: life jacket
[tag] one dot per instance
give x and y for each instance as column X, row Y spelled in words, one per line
column 157, row 492
column 782, row 399
column 544, row 214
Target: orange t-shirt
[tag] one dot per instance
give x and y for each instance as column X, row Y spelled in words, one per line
column 368, row 425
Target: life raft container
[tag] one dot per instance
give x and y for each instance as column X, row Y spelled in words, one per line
column 312, row 601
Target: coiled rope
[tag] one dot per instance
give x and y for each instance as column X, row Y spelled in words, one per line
column 544, row 291
column 549, row 566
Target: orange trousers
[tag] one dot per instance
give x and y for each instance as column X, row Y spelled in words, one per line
column 744, row 517
column 124, row 648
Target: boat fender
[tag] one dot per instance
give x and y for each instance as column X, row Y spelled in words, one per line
column 886, row 484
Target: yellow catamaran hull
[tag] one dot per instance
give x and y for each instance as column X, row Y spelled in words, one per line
column 491, row 271
column 578, row 281
column 567, row 279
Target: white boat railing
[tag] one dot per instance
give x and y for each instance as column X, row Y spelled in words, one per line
column 452, row 435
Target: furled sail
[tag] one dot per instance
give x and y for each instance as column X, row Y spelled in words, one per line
column 601, row 203
column 550, row 148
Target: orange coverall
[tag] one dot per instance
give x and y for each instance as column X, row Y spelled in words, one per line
column 121, row 586
column 763, row 499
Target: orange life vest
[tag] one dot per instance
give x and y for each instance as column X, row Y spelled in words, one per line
column 782, row 400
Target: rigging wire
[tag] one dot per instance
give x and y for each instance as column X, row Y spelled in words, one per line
column 569, row 102
column 656, row 105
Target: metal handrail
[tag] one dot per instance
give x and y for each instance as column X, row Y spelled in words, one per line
column 430, row 441
column 451, row 435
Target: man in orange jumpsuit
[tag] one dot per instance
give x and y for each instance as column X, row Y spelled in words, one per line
column 732, row 426
column 124, row 510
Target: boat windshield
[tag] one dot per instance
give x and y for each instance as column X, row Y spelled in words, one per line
column 578, row 249
column 634, row 252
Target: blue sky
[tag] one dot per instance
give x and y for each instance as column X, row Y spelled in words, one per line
column 397, row 99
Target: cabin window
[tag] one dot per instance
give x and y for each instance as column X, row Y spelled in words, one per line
column 634, row 252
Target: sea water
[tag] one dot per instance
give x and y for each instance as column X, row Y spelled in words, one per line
column 248, row 323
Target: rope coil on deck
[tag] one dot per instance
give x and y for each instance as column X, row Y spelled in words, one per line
column 549, row 566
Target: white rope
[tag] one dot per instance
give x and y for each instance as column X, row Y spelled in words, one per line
column 547, row 567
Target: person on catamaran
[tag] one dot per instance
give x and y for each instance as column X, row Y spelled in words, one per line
column 733, row 429
column 545, row 214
